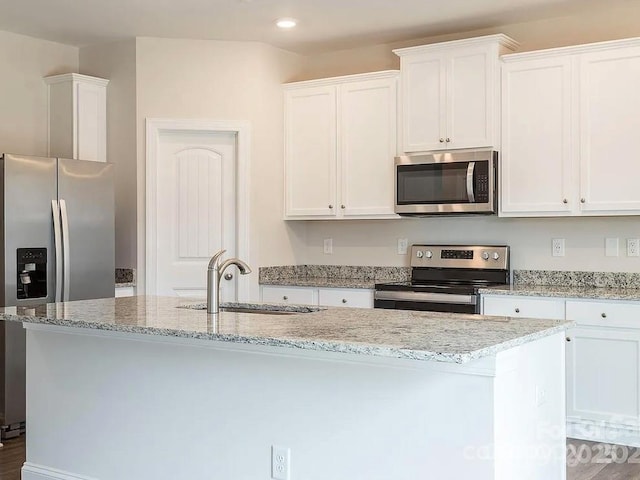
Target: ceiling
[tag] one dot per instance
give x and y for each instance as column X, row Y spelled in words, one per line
column 324, row 25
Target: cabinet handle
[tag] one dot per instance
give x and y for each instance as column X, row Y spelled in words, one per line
column 344, row 300
column 342, row 207
column 442, row 140
column 330, row 207
column 568, row 339
column 582, row 200
column 285, row 298
column 517, row 310
column 603, row 315
column 448, row 139
column 565, row 201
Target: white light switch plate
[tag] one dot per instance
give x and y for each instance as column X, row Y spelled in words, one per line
column 611, row 247
column 328, row 246
column 633, row 247
column 402, row 246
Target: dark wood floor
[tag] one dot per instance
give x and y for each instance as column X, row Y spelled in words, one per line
column 585, row 461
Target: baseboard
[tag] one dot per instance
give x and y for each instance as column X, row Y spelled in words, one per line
column 39, row 472
column 604, row 432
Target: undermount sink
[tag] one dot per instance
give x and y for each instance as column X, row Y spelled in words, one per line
column 260, row 309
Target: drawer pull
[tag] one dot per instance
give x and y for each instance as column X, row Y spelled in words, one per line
column 285, row 298
column 568, row 339
column 517, row 310
column 603, row 315
column 344, row 300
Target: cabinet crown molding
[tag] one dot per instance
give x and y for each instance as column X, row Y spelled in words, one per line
column 499, row 39
column 572, row 49
column 342, row 79
column 76, row 77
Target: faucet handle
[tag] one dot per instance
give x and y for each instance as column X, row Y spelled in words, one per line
column 214, row 259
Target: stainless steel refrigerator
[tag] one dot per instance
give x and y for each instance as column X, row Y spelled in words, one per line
column 57, row 243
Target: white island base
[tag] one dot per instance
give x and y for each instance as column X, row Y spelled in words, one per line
column 116, row 406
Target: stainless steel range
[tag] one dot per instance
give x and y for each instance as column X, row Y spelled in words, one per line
column 446, row 278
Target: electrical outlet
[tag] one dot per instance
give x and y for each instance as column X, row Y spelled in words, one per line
column 611, row 247
column 403, row 243
column 633, row 247
column 541, row 396
column 280, row 462
column 328, row 246
column 557, row 247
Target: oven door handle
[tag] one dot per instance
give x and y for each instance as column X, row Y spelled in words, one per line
column 470, row 193
column 425, row 297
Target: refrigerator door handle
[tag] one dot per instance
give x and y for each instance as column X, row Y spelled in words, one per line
column 65, row 249
column 57, row 240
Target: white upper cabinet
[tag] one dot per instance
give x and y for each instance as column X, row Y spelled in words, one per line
column 450, row 93
column 340, row 143
column 570, row 128
column 78, row 117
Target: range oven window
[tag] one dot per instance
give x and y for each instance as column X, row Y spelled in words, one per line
column 440, row 183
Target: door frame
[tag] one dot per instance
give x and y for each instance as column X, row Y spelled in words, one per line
column 154, row 129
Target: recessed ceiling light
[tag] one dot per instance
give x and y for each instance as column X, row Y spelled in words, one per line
column 286, row 23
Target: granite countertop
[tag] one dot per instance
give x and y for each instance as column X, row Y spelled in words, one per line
column 587, row 292
column 454, row 338
column 323, row 282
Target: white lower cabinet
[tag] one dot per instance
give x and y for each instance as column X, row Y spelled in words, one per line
column 523, row 307
column 125, row 291
column 602, row 361
column 331, row 297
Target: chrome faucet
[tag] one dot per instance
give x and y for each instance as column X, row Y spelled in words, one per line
column 214, row 275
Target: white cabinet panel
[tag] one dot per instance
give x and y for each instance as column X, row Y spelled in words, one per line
column 291, row 295
column 340, row 142
column 341, row 297
column 310, row 151
column 125, row 291
column 77, row 117
column 523, row 307
column 609, row 140
column 450, row 93
column 536, row 163
column 612, row 314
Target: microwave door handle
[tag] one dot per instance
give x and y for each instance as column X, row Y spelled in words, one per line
column 470, row 192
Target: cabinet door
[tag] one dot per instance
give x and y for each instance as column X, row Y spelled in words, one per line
column 603, row 375
column 610, row 126
column 90, row 122
column 345, row 297
column 472, row 76
column 423, row 102
column 310, row 151
column 523, row 307
column 290, row 295
column 536, row 161
column 367, row 146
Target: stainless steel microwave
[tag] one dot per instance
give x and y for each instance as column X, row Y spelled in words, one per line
column 451, row 182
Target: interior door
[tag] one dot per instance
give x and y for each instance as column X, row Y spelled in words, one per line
column 196, row 210
column 85, row 193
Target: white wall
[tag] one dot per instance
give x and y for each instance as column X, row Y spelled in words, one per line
column 374, row 242
column 225, row 81
column 117, row 62
column 23, row 94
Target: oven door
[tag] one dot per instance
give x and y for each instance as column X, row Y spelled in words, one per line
column 445, row 183
column 427, row 302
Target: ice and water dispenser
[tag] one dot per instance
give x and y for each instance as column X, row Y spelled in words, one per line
column 32, row 273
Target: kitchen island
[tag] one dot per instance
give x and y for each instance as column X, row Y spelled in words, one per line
column 144, row 388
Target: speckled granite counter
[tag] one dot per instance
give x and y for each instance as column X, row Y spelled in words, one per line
column 413, row 335
column 332, row 276
column 596, row 293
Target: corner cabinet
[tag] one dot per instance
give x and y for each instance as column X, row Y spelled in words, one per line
column 340, row 144
column 77, row 117
column 569, row 131
column 451, row 93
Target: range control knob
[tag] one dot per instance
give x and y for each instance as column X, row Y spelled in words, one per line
column 496, row 256
column 419, row 254
column 428, row 254
column 485, row 255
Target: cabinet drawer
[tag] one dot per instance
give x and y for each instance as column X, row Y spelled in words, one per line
column 292, row 295
column 525, row 307
column 339, row 297
column 606, row 314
